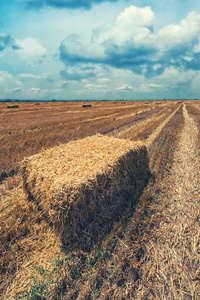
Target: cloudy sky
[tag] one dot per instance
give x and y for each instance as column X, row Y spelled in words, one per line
column 99, row 49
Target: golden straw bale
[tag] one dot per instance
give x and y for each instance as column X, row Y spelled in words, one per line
column 81, row 187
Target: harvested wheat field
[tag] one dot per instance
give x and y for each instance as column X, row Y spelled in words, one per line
column 30, row 128
column 100, row 202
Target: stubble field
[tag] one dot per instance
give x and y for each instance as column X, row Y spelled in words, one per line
column 150, row 251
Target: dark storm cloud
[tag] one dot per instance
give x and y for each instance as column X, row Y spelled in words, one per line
column 138, row 59
column 71, row 4
column 7, row 41
column 128, row 55
column 192, row 63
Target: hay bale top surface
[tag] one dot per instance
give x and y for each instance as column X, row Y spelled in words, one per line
column 78, row 161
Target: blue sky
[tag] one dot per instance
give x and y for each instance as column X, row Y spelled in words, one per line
column 99, row 49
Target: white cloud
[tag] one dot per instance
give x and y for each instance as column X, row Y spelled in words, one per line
column 125, row 87
column 174, row 75
column 15, row 90
column 83, row 71
column 127, row 54
column 9, row 83
column 103, row 80
column 131, row 30
column 131, row 43
column 30, row 47
column 29, row 76
column 148, row 87
column 17, row 82
column 195, row 89
column 182, row 35
column 57, row 91
column 136, row 17
column 5, row 76
column 131, row 25
column 156, row 67
column 94, row 86
column 35, row 90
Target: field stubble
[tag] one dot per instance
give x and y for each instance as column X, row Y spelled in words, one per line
column 170, row 267
column 31, row 128
column 111, row 270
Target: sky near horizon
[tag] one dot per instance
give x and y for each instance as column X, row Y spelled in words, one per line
column 99, row 49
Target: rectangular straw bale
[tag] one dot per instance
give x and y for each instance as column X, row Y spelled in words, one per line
column 82, row 186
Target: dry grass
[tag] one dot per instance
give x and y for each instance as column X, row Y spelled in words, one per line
column 151, row 126
column 144, row 119
column 114, row 268
column 83, row 185
column 149, row 141
column 30, row 128
column 170, row 268
column 26, row 242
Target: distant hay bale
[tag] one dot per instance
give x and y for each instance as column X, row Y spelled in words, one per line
column 87, row 105
column 83, row 186
column 13, row 106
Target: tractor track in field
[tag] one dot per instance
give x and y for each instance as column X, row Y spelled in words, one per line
column 122, row 130
column 156, row 132
column 171, row 263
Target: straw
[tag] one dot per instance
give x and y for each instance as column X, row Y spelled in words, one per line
column 81, row 187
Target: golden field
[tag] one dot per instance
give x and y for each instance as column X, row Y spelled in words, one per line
column 66, row 172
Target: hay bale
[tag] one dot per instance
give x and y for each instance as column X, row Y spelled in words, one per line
column 87, row 105
column 13, row 106
column 83, row 186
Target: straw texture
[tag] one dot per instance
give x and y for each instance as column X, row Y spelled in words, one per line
column 81, row 187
